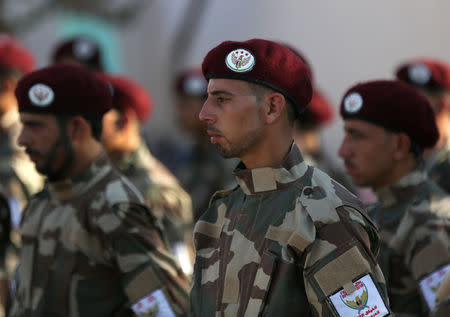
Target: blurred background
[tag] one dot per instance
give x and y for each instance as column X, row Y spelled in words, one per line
column 150, row 40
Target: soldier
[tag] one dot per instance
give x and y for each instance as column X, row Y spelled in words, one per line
column 80, row 50
column 122, row 140
column 5, row 231
column 90, row 245
column 383, row 150
column 203, row 171
column 288, row 240
column 432, row 78
column 17, row 173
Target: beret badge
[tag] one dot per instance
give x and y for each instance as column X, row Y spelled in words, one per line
column 41, row 95
column 419, row 74
column 84, row 49
column 353, row 102
column 240, row 60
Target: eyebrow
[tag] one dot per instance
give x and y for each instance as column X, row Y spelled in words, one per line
column 218, row 92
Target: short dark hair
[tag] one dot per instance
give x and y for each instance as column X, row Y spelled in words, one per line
column 260, row 90
column 95, row 122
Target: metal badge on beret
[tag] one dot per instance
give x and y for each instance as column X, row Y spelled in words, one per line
column 41, row 95
column 353, row 102
column 240, row 60
column 84, row 49
column 195, row 85
column 419, row 74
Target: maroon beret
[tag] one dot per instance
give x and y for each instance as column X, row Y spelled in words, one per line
column 395, row 106
column 129, row 95
column 263, row 62
column 81, row 49
column 15, row 56
column 319, row 112
column 63, row 89
column 429, row 74
column 191, row 83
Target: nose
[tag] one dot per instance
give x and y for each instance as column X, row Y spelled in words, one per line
column 23, row 139
column 206, row 114
column 344, row 149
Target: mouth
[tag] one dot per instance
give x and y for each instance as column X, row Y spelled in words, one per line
column 214, row 135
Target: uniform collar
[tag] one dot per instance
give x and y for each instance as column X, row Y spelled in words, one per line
column 83, row 181
column 269, row 179
column 139, row 157
column 405, row 188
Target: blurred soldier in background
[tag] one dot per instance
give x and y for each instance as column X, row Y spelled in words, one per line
column 18, row 177
column 308, row 126
column 5, row 231
column 288, row 240
column 203, row 171
column 81, row 50
column 432, row 79
column 122, row 141
column 387, row 126
column 90, row 245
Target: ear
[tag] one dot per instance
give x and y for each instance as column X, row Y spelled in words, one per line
column 78, row 129
column 275, row 103
column 402, row 145
column 8, row 84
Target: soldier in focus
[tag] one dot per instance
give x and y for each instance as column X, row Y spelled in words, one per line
column 90, row 245
column 79, row 50
column 432, row 78
column 203, row 171
column 288, row 240
column 127, row 150
column 383, row 150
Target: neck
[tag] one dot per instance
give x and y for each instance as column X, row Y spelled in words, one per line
column 401, row 169
column 271, row 152
column 84, row 157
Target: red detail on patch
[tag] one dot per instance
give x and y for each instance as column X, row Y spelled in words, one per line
column 151, row 298
column 139, row 305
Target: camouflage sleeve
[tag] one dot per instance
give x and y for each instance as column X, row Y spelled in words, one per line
column 341, row 275
column 5, row 230
column 427, row 252
column 150, row 275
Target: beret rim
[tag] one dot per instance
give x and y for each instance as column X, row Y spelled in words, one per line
column 263, row 83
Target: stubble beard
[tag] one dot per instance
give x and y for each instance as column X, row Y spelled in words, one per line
column 239, row 149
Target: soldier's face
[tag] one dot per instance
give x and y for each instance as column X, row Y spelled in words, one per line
column 367, row 150
column 233, row 117
column 46, row 144
column 187, row 110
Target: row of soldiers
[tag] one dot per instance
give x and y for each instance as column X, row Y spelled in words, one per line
column 110, row 232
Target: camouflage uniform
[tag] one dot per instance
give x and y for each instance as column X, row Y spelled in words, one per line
column 162, row 192
column 91, row 248
column 414, row 238
column 202, row 174
column 272, row 246
column 438, row 166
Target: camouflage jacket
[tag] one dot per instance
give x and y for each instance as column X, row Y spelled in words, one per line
column 202, row 174
column 91, row 248
column 438, row 166
column 287, row 241
column 162, row 192
column 415, row 246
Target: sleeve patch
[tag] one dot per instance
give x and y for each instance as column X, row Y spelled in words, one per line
column 350, row 265
column 153, row 305
column 364, row 301
column 431, row 283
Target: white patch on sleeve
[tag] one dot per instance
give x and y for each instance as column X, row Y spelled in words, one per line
column 430, row 284
column 364, row 301
column 153, row 305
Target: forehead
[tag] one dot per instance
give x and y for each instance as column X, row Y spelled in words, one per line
column 35, row 117
column 358, row 125
column 232, row 86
